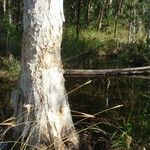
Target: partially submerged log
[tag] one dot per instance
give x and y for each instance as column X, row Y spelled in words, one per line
column 108, row 72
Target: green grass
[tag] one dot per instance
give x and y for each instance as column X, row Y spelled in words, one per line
column 105, row 51
column 10, row 64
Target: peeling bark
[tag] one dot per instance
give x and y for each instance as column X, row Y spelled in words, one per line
column 40, row 103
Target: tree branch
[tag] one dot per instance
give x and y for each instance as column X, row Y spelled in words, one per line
column 110, row 72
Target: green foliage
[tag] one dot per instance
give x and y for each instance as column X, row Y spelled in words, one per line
column 103, row 50
column 13, row 34
column 124, row 137
column 10, row 64
column 9, row 29
column 12, row 37
column 134, row 54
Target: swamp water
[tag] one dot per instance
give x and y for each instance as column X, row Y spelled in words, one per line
column 123, row 127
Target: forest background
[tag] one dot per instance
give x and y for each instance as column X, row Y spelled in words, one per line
column 98, row 34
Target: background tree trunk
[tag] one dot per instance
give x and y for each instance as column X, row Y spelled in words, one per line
column 88, row 13
column 117, row 17
column 78, row 19
column 4, row 6
column 41, row 108
column 134, row 21
column 100, row 16
column 130, row 24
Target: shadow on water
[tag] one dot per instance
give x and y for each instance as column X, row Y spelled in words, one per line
column 132, row 120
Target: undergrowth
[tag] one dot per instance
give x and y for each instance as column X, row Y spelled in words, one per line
column 97, row 49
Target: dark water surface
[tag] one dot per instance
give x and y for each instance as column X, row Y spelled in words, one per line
column 101, row 94
column 107, row 92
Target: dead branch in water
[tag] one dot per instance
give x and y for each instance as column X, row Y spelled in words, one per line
column 109, row 72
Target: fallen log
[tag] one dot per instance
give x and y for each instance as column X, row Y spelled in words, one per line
column 108, row 72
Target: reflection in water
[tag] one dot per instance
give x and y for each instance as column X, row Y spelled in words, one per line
column 93, row 95
column 106, row 92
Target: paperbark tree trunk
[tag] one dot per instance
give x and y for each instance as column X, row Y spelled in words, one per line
column 40, row 103
column 100, row 17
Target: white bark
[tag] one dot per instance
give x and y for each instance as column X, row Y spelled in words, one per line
column 134, row 22
column 41, row 87
column 9, row 12
column 4, row 6
column 101, row 17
